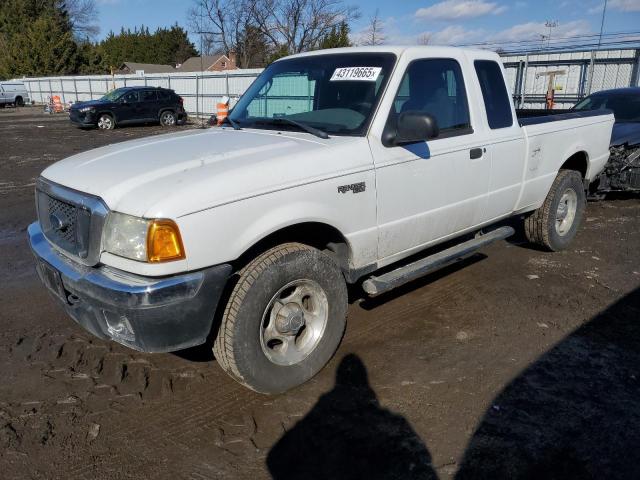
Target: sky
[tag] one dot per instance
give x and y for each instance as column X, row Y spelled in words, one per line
column 448, row 22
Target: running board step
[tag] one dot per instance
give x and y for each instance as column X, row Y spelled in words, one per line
column 395, row 278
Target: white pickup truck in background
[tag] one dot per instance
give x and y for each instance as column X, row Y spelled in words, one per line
column 13, row 93
column 334, row 167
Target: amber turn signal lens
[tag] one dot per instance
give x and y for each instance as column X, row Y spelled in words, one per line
column 163, row 242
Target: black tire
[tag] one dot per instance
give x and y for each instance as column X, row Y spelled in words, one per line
column 19, row 102
column 238, row 347
column 168, row 119
column 106, row 122
column 541, row 226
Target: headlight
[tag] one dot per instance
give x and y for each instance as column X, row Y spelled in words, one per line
column 142, row 239
column 87, row 109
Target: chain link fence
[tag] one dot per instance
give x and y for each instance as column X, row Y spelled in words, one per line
column 584, row 72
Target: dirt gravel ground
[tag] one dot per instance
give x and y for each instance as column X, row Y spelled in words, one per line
column 516, row 364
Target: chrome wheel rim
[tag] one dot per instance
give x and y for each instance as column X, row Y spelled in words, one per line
column 168, row 119
column 294, row 322
column 105, row 123
column 566, row 211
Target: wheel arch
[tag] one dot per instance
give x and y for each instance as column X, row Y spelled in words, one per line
column 579, row 161
column 317, row 234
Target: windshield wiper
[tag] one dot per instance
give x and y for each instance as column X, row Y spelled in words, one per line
column 233, row 123
column 307, row 128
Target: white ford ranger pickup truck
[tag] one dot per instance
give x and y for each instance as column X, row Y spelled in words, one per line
column 335, row 167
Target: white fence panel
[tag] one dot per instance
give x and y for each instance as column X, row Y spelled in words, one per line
column 202, row 90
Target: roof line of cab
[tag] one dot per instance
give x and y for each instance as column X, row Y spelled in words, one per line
column 395, row 49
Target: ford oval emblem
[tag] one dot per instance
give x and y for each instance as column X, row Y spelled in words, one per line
column 58, row 224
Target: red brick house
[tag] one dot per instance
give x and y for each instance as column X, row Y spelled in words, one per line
column 211, row 63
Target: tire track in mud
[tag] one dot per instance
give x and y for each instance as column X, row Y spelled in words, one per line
column 180, row 423
column 151, row 404
column 155, row 407
column 167, row 408
column 388, row 316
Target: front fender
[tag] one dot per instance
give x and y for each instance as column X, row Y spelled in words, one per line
column 222, row 234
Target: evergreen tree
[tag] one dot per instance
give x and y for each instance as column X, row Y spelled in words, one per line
column 337, row 37
column 167, row 46
column 36, row 39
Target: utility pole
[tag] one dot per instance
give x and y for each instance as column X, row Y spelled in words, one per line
column 543, row 38
column 592, row 65
column 604, row 12
column 550, row 24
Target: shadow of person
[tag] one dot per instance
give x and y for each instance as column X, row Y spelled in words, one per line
column 347, row 435
column 574, row 413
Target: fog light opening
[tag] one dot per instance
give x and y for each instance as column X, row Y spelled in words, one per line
column 118, row 326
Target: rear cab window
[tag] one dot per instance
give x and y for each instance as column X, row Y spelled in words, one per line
column 494, row 94
column 436, row 87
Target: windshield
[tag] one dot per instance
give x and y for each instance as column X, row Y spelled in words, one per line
column 113, row 95
column 626, row 108
column 334, row 93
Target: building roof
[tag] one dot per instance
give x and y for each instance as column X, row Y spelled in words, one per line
column 147, row 67
column 194, row 64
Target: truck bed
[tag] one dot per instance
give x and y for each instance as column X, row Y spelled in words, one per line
column 538, row 116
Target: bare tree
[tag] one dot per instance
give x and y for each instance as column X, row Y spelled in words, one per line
column 424, row 39
column 298, row 25
column 83, row 15
column 220, row 22
column 251, row 27
column 374, row 34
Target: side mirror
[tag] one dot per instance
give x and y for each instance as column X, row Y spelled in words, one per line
column 416, row 127
column 411, row 127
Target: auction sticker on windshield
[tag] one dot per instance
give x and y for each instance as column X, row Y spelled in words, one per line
column 356, row 73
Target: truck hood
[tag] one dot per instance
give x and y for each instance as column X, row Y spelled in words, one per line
column 178, row 174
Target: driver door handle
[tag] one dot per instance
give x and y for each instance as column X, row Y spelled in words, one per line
column 476, row 153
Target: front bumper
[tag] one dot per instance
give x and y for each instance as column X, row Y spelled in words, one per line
column 85, row 119
column 146, row 314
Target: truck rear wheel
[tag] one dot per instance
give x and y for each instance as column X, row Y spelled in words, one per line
column 284, row 319
column 555, row 224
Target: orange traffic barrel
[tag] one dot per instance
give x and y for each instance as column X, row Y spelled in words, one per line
column 222, row 110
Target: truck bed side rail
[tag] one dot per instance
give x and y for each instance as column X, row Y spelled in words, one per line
column 534, row 117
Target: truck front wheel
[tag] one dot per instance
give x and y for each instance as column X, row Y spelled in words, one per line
column 284, row 319
column 555, row 224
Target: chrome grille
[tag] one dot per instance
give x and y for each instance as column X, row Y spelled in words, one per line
column 67, row 214
column 71, row 220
